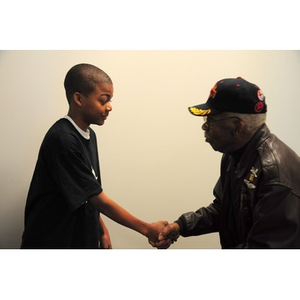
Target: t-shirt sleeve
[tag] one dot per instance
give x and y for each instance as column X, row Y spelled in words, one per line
column 71, row 170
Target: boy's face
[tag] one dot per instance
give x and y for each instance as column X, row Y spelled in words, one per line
column 97, row 105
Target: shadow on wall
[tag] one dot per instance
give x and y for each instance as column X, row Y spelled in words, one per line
column 12, row 228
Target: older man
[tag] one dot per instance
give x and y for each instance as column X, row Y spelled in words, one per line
column 257, row 197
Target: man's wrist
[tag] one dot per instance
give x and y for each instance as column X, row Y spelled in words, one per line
column 180, row 224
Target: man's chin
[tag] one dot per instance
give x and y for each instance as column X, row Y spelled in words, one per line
column 213, row 147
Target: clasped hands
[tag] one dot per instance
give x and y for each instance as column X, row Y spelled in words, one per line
column 163, row 234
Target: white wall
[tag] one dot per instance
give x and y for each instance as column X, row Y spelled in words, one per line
column 154, row 160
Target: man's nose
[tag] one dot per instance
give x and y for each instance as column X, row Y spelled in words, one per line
column 204, row 126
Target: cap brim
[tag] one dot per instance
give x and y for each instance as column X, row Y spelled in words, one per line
column 202, row 110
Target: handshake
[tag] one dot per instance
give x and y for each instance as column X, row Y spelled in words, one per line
column 161, row 234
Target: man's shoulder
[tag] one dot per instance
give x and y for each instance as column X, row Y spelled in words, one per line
column 279, row 162
column 274, row 151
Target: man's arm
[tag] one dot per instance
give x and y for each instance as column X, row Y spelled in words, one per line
column 204, row 220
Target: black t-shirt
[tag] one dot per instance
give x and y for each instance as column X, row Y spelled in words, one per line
column 67, row 174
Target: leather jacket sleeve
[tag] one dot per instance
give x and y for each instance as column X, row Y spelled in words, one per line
column 204, row 220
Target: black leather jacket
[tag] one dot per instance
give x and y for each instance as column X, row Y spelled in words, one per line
column 257, row 201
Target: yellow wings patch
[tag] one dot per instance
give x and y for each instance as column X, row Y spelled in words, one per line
column 199, row 112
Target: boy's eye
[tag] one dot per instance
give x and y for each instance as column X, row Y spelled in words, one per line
column 103, row 102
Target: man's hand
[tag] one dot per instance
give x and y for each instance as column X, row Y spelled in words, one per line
column 155, row 229
column 168, row 236
column 171, row 231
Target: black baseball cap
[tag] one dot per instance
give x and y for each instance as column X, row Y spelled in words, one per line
column 232, row 95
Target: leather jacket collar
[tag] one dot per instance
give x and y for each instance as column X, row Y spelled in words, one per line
column 259, row 137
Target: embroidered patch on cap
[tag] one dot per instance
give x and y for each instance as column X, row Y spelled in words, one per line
column 259, row 106
column 260, row 95
column 199, row 112
column 213, row 91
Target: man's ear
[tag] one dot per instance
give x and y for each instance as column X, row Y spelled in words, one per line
column 239, row 126
column 77, row 97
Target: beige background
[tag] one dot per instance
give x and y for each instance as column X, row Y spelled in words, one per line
column 154, row 160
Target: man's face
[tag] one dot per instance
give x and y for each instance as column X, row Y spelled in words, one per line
column 219, row 132
column 97, row 105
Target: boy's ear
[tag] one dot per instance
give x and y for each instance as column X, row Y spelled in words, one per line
column 77, row 98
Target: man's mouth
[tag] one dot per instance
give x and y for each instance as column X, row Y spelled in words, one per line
column 207, row 138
